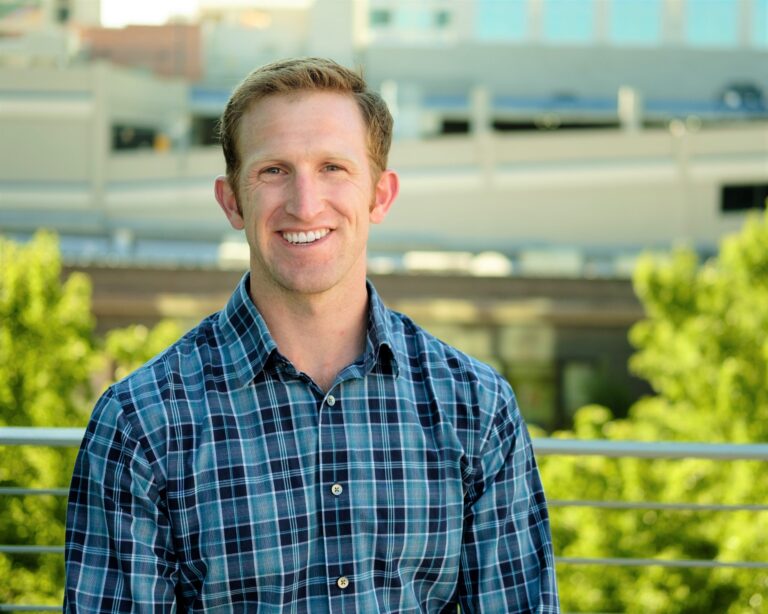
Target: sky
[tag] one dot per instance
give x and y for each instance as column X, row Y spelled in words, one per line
column 119, row 13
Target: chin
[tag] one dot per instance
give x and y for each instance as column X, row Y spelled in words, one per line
column 311, row 278
column 309, row 284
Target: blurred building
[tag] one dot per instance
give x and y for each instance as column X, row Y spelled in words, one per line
column 452, row 66
column 97, row 150
column 39, row 32
column 172, row 50
column 23, row 16
column 542, row 145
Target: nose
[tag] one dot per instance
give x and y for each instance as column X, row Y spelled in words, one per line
column 304, row 201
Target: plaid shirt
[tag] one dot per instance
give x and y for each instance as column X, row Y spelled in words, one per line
column 217, row 478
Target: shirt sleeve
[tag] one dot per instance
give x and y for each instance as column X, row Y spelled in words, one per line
column 118, row 552
column 507, row 562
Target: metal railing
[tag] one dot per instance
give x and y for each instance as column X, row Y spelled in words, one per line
column 654, row 450
column 71, row 437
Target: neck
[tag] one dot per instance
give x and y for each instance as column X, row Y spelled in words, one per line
column 319, row 333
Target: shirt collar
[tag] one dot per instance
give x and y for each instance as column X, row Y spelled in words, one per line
column 379, row 343
column 248, row 344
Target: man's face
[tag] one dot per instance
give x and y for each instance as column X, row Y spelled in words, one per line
column 306, row 192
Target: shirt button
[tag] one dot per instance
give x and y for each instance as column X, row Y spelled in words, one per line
column 342, row 582
column 337, row 489
column 331, row 400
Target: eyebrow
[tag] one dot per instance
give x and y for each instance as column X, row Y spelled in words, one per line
column 267, row 157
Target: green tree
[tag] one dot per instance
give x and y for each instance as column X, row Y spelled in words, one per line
column 703, row 346
column 46, row 358
column 128, row 348
column 49, row 358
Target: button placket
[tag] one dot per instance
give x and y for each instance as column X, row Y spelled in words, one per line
column 336, row 515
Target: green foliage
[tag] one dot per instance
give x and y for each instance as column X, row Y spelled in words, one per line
column 48, row 358
column 46, row 339
column 704, row 348
column 129, row 348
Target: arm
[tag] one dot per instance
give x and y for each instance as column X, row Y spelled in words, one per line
column 507, row 560
column 118, row 550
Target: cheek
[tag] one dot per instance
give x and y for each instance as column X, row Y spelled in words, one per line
column 254, row 232
column 353, row 197
column 258, row 212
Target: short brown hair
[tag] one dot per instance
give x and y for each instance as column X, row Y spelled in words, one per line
column 305, row 74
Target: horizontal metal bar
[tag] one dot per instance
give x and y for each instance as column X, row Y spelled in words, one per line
column 9, row 607
column 23, row 492
column 32, row 549
column 655, row 505
column 544, row 446
column 649, row 449
column 573, row 560
column 40, row 436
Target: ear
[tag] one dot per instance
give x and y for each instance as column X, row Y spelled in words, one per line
column 384, row 194
column 227, row 200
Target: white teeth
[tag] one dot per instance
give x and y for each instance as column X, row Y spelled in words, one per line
column 305, row 237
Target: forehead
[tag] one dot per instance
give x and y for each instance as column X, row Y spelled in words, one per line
column 301, row 118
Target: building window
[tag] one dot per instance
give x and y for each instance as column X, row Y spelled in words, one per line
column 712, row 24
column 62, row 11
column 636, row 22
column 576, row 379
column 760, row 23
column 743, row 197
column 442, row 19
column 133, row 137
column 205, row 130
column 380, row 17
column 569, row 22
column 501, row 19
column 451, row 125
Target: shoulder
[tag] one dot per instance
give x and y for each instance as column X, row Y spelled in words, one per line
column 453, row 374
column 138, row 407
column 465, row 399
column 179, row 364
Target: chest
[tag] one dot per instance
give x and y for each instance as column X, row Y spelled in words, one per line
column 281, row 486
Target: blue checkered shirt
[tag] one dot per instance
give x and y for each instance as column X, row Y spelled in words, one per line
column 218, row 478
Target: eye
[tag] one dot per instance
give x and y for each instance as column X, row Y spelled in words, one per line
column 333, row 167
column 271, row 170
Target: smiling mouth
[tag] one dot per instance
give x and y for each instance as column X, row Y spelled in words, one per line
column 300, row 238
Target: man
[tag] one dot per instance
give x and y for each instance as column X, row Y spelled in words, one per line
column 306, row 449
